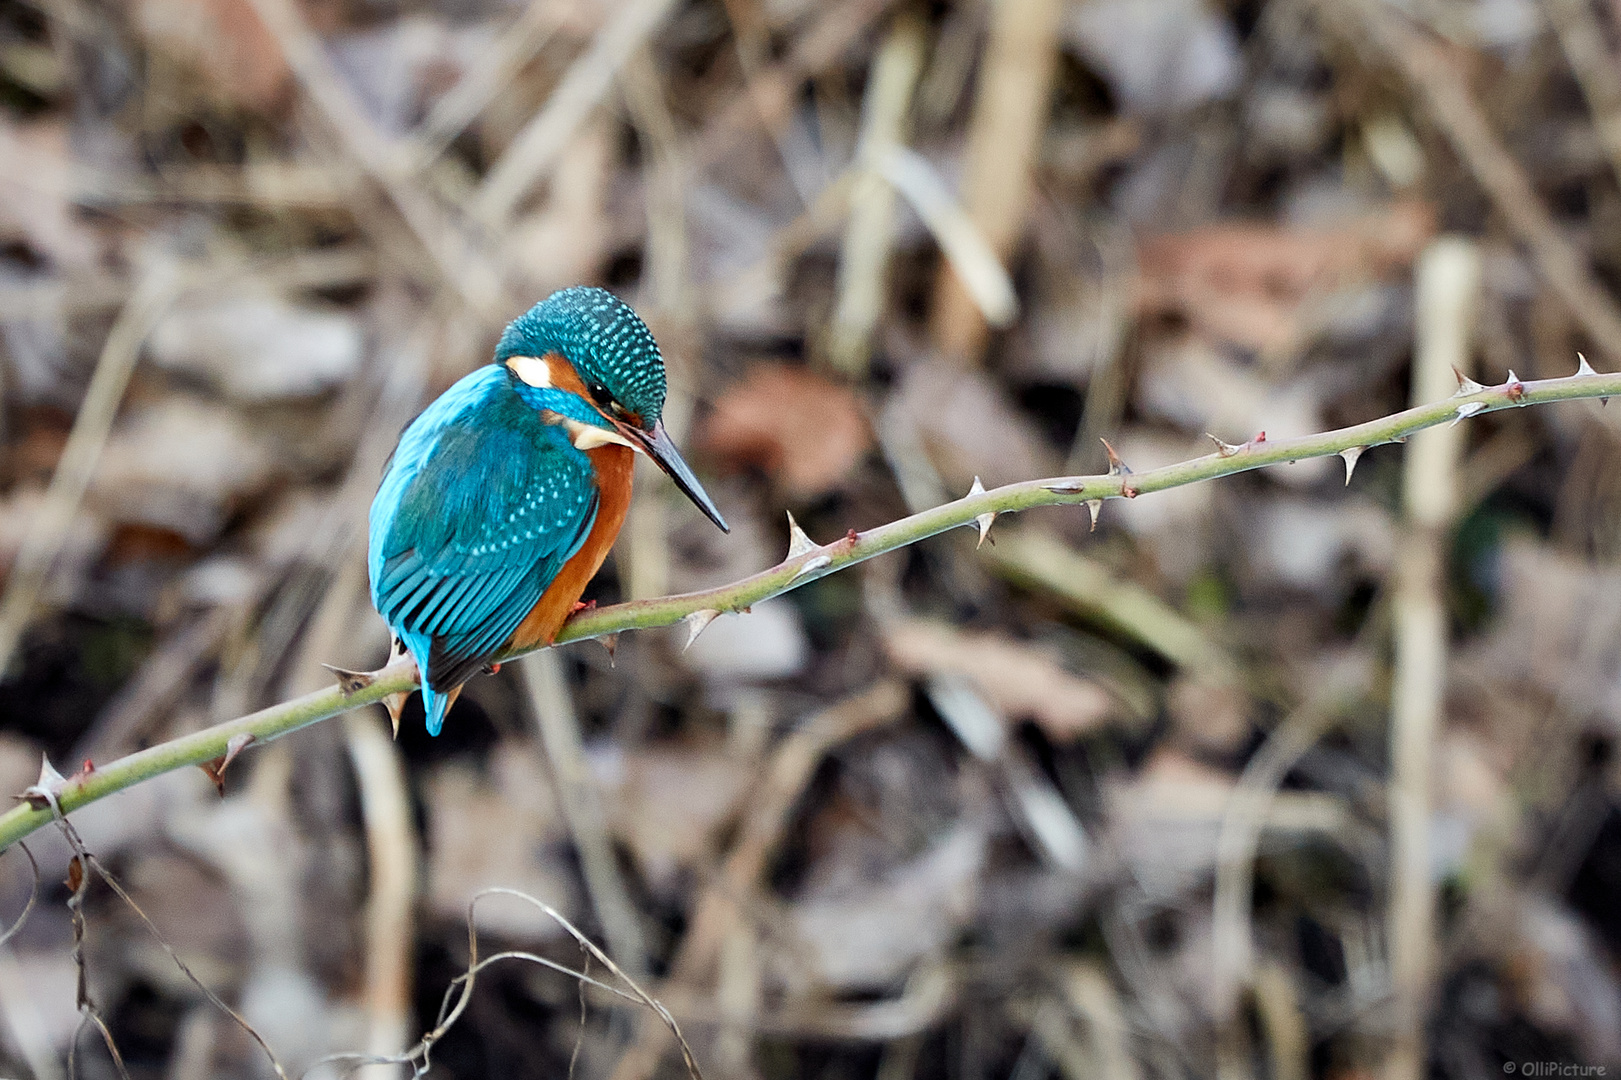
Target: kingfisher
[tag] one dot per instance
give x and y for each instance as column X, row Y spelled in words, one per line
column 505, row 494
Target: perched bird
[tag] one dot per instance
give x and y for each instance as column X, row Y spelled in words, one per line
column 504, row 495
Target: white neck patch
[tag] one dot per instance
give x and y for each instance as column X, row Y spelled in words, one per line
column 532, row 370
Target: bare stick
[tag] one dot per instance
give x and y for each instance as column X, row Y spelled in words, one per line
column 542, row 141
column 811, row 561
column 1232, row 943
column 461, row 264
column 49, row 528
column 1010, row 115
column 553, row 705
column 391, row 855
column 1441, row 87
column 484, row 81
column 1448, row 276
column 864, row 255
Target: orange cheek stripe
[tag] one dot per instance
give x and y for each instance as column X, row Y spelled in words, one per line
column 564, row 377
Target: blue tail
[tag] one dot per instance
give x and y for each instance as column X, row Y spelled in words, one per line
column 435, row 703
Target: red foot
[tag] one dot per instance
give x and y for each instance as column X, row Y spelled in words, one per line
column 494, row 668
column 582, row 605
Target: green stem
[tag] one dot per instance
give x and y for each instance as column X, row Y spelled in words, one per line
column 806, row 566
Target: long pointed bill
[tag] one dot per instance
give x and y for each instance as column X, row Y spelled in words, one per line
column 659, row 447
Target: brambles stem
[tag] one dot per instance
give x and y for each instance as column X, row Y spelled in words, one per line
column 804, row 566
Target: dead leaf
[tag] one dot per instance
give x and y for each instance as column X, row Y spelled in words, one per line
column 180, row 465
column 767, row 642
column 501, row 829
column 1198, row 386
column 225, row 42
column 1158, row 57
column 35, row 196
column 258, row 348
column 1560, row 630
column 1209, row 715
column 1166, row 820
column 802, row 430
column 566, row 240
column 867, row 937
column 85, row 542
column 969, row 427
column 1305, row 544
column 1021, row 681
column 1246, row 283
column 666, row 801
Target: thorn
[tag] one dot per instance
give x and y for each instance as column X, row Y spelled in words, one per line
column 982, row 520
column 1351, row 454
column 395, row 704
column 349, row 682
column 238, row 743
column 1515, row 388
column 1223, row 449
column 611, row 643
column 1116, row 466
column 1468, row 409
column 216, row 768
column 1583, row 367
column 1466, row 385
column 1094, row 507
column 698, row 620
column 798, row 543
column 43, row 792
column 811, row 566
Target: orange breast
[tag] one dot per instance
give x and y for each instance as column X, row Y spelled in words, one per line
column 615, row 466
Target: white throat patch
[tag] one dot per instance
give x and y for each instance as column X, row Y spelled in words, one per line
column 589, row 436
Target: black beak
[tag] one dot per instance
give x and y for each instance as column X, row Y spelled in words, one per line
column 659, row 447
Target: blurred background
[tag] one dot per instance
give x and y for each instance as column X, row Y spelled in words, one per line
column 1277, row 776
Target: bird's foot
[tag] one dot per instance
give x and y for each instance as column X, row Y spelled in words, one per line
column 582, row 605
column 492, row 668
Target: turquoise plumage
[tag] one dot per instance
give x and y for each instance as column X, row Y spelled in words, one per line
column 482, row 505
column 490, row 492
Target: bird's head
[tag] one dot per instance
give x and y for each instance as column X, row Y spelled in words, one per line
column 588, row 344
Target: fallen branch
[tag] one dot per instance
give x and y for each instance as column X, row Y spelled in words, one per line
column 806, row 562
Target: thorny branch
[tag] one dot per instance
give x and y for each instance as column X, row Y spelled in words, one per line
column 43, row 795
column 807, row 561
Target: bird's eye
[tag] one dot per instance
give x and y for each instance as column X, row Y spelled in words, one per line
column 599, row 393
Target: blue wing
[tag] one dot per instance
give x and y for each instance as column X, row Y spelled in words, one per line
column 480, row 508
